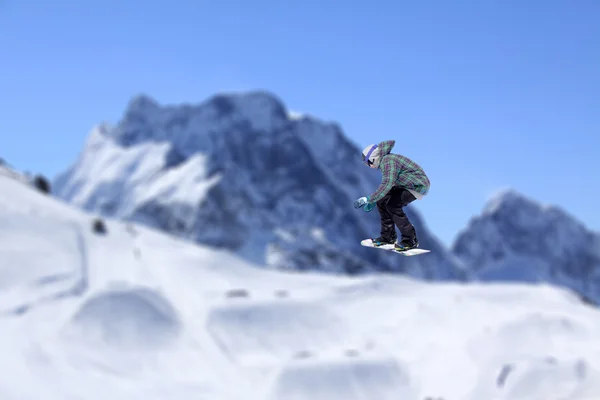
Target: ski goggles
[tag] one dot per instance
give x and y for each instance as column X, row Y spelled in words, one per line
column 366, row 158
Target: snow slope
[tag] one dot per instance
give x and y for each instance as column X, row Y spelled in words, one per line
column 138, row 314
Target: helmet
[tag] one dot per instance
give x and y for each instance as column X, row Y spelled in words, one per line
column 370, row 155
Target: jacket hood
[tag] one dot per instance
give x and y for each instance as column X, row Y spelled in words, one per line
column 384, row 148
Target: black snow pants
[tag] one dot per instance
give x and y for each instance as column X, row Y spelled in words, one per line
column 391, row 213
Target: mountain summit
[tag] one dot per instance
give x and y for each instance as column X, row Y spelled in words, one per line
column 239, row 171
column 518, row 239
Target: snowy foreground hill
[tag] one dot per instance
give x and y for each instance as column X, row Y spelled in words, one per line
column 134, row 313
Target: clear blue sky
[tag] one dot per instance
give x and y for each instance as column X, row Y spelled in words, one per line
column 483, row 94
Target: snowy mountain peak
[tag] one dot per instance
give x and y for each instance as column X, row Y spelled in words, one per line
column 142, row 102
column 249, row 103
column 506, row 200
column 516, row 238
column 233, row 170
column 515, row 207
column 256, row 112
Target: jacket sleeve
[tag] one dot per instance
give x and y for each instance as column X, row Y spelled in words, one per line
column 389, row 171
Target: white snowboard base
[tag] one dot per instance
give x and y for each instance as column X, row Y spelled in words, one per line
column 390, row 247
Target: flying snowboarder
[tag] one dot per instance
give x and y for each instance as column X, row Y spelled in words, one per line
column 403, row 181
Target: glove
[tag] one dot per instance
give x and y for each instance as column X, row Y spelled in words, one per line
column 369, row 207
column 361, row 202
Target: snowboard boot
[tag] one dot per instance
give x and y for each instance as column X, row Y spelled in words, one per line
column 407, row 244
column 380, row 241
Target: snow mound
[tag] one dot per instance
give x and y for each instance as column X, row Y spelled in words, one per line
column 272, row 330
column 38, row 267
column 549, row 379
column 541, row 378
column 533, row 326
column 124, row 318
column 532, row 334
column 362, row 379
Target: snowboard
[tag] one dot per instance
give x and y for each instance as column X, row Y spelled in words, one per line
column 390, row 247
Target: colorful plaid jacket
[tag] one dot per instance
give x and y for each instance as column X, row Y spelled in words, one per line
column 397, row 170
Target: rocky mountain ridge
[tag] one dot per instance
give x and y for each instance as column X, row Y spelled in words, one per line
column 238, row 171
column 516, row 238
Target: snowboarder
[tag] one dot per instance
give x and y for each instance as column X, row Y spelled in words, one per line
column 403, row 181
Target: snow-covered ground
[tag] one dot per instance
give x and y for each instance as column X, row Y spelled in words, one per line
column 136, row 314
